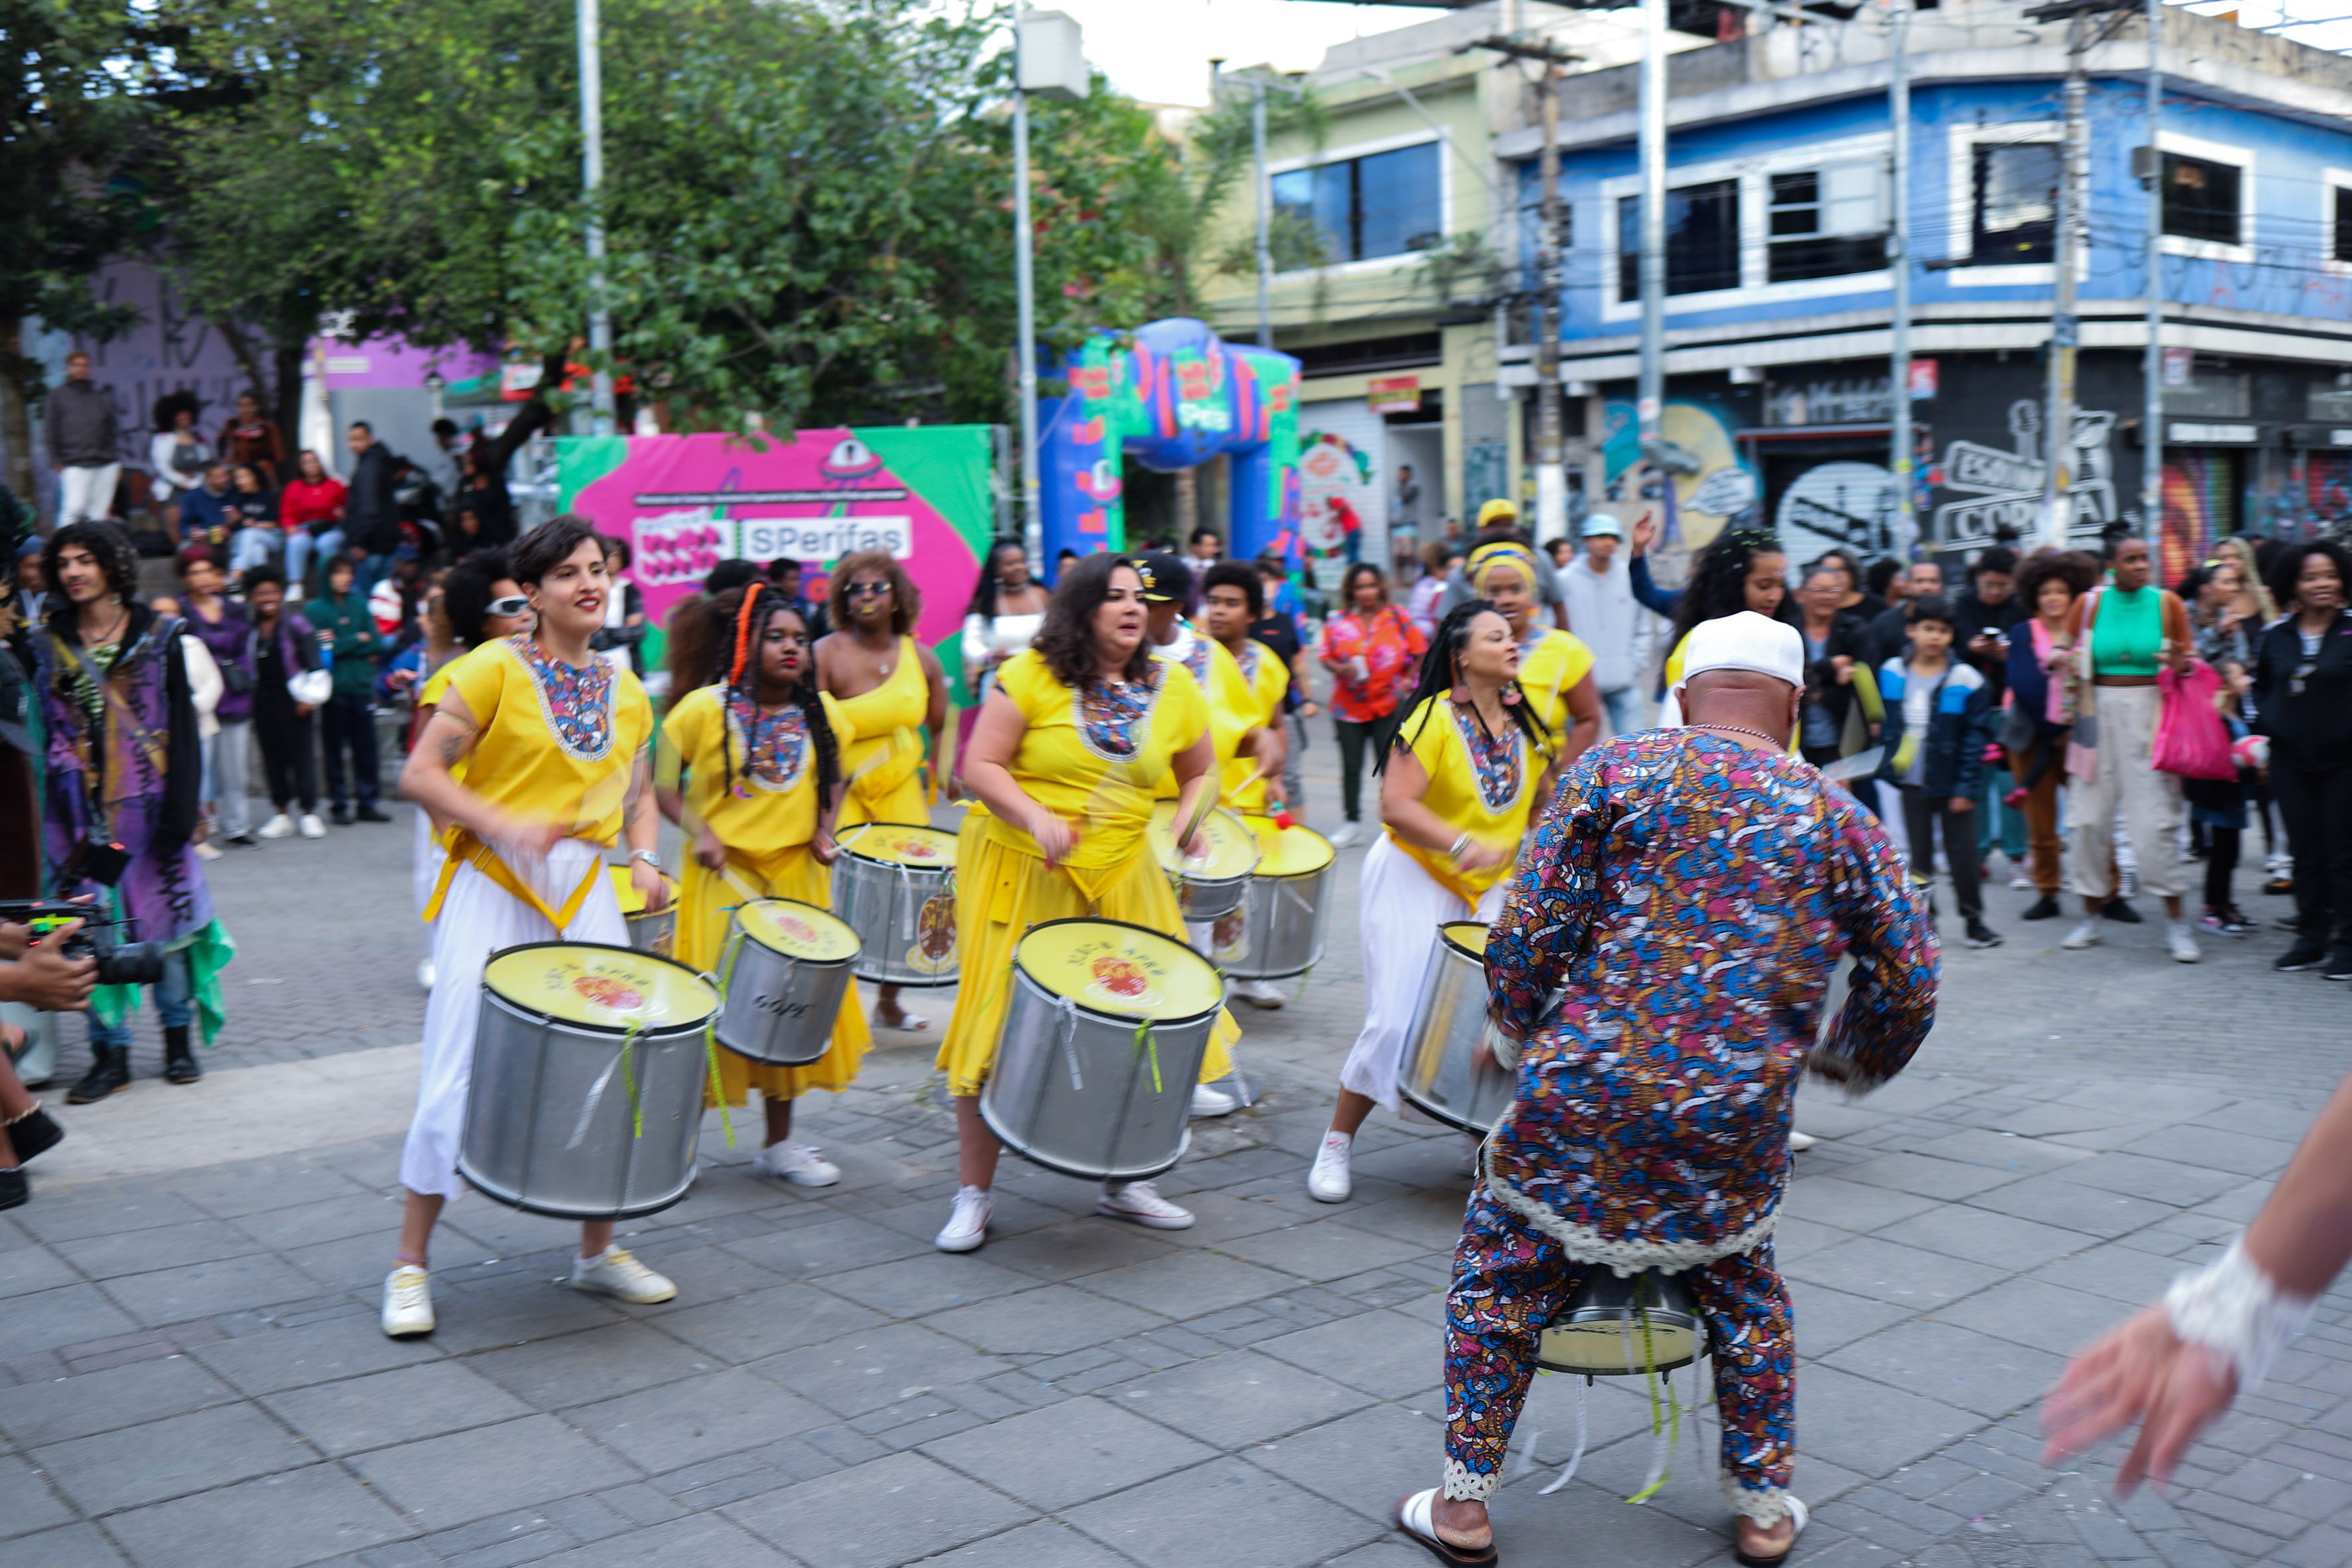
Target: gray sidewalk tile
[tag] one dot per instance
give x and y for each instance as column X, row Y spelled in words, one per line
column 1826, row 1319
column 47, row 1319
column 1051, row 1320
column 2246, row 1154
column 382, row 1409
column 1072, row 1453
column 33, row 1413
column 279, row 1521
column 1868, row 1427
column 811, row 1251
column 201, row 1290
column 1364, row 1460
column 1223, row 1512
column 31, row 1269
column 26, row 1502
column 594, row 1364
column 2057, row 1200
column 1048, row 1543
column 746, row 1328
column 1235, row 1398
column 1887, row 1271
column 171, row 1246
column 931, row 1281
column 834, row 1523
column 319, row 1353
column 1384, row 1353
column 107, row 1210
column 447, row 1481
column 863, row 1371
column 1322, row 1251
column 2169, row 1182
column 1187, row 1284
column 1983, row 1236
column 706, row 1539
column 1924, row 1176
column 1077, row 1247
column 74, row 1546
column 169, row 1457
column 701, row 1417
column 1953, row 1364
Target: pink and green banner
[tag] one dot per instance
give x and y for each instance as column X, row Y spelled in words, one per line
column 687, row 502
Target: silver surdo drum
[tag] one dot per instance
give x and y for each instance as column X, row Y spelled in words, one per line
column 1102, row 1040
column 1442, row 1074
column 650, row 931
column 895, row 885
column 1279, row 927
column 1212, row 886
column 1624, row 1326
column 782, row 974
column 589, row 1065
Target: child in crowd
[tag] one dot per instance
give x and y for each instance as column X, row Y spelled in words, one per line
column 1937, row 724
column 2219, row 806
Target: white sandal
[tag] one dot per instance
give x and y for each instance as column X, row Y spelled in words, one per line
column 1414, row 1518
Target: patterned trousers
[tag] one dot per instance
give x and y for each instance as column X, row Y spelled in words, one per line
column 1508, row 1281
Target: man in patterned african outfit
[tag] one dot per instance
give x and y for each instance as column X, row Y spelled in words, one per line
column 1670, row 931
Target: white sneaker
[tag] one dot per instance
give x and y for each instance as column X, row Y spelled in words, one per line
column 1348, row 836
column 278, row 826
column 1800, row 1142
column 2022, row 882
column 1328, row 1182
column 2182, row 941
column 1208, row 1101
column 1141, row 1201
column 616, row 1272
column 407, row 1302
column 797, row 1164
column 206, row 852
column 311, row 827
column 1262, row 993
column 2087, row 934
column 967, row 1225
column 425, row 973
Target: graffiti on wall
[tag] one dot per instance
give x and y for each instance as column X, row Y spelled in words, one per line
column 2001, row 487
column 1721, row 488
column 1841, row 505
column 1335, row 486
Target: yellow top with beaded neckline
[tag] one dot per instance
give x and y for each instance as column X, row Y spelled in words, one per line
column 554, row 743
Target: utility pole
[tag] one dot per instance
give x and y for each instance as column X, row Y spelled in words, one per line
column 2065, row 328
column 2151, row 423
column 1650, row 394
column 1264, row 216
column 592, row 173
column 1898, row 262
column 1551, row 476
column 1024, row 282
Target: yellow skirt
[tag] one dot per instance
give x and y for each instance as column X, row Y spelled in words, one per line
column 704, row 901
column 904, row 804
column 1000, row 892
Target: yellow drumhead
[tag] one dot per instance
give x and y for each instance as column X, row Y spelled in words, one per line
column 798, row 931
column 633, row 902
column 900, row 844
column 1288, row 851
column 1120, row 969
column 1232, row 849
column 610, row 988
column 1466, row 936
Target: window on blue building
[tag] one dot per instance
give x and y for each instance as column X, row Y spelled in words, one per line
column 1828, row 222
column 1702, row 241
column 1383, row 204
column 2341, row 248
column 2200, row 198
column 2016, row 203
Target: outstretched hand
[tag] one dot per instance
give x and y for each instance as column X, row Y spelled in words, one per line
column 2141, row 1372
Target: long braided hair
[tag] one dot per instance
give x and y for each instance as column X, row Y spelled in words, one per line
column 727, row 629
column 1718, row 580
column 1439, row 666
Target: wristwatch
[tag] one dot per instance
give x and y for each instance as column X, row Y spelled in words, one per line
column 649, row 856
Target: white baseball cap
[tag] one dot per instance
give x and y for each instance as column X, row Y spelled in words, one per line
column 1745, row 641
column 1600, row 525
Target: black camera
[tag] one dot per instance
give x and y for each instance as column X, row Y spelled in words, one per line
column 119, row 962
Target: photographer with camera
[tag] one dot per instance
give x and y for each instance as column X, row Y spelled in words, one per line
column 122, row 777
column 41, row 967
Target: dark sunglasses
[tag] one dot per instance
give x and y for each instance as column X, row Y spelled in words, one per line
column 866, row 590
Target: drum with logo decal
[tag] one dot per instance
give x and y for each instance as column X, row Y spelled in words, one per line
column 783, row 975
column 1102, row 1039
column 654, row 930
column 589, row 1065
column 1281, row 919
column 1444, row 1074
column 894, row 884
column 1207, row 886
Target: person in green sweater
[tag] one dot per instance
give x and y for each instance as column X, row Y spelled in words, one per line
column 346, row 628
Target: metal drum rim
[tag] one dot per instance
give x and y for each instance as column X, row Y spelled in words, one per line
column 1446, row 939
column 1125, row 1019
column 522, row 1010
column 861, row 828
column 693, row 1174
column 1459, row 1123
column 735, row 927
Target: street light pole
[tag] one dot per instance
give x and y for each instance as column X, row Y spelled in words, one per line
column 1026, row 284
column 1898, row 261
column 2151, row 425
column 2065, row 327
column 592, row 172
column 1264, row 216
column 1650, row 393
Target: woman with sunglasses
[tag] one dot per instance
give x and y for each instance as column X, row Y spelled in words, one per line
column 1069, row 749
column 749, row 766
column 554, row 744
column 893, row 696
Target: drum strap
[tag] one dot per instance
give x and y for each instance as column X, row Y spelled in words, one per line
column 463, row 847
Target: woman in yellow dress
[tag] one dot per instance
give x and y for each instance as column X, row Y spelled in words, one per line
column 749, row 766
column 1469, row 764
column 1555, row 666
column 891, row 692
column 1062, row 765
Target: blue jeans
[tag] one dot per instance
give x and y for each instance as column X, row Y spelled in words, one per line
column 174, row 1000
column 372, row 569
column 1617, row 710
column 250, row 547
column 300, row 547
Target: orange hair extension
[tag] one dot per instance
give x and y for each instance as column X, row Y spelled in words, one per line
column 744, row 619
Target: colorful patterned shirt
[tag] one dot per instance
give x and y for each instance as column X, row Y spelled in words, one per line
column 1391, row 647
column 1673, row 923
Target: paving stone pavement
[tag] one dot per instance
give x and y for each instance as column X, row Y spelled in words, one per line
column 191, row 1373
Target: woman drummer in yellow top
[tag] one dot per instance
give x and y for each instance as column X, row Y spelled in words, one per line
column 1233, row 598
column 1555, row 666
column 1468, row 766
column 553, row 746
column 891, row 692
column 749, row 766
column 1063, row 763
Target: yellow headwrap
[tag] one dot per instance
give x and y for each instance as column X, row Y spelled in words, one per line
column 1486, row 557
